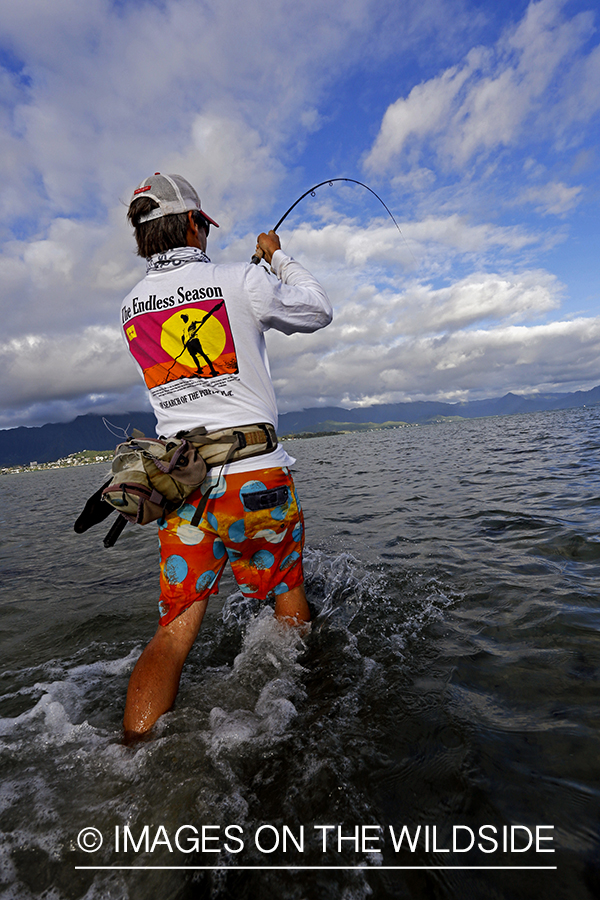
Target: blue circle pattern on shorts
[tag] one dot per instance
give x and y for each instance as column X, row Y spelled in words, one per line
column 237, row 531
column 289, row 560
column 263, row 546
column 262, row 559
column 176, row 569
column 219, row 549
column 206, row 580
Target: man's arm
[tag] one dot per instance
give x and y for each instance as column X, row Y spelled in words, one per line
column 297, row 303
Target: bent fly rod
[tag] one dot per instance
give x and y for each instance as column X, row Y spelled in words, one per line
column 256, row 259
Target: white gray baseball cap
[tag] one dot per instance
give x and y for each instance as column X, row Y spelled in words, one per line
column 173, row 193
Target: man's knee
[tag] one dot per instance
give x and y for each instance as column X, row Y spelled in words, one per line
column 179, row 635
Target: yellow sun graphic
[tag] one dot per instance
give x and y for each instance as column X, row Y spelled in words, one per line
column 188, row 336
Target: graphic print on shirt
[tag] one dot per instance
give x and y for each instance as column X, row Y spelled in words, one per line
column 194, row 341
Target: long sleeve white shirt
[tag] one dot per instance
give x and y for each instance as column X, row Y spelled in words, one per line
column 196, row 331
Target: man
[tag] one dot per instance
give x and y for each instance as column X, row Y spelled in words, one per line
column 196, row 331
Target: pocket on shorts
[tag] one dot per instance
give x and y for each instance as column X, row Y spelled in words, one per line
column 255, row 501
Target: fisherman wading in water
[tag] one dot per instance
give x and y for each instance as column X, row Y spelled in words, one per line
column 178, row 341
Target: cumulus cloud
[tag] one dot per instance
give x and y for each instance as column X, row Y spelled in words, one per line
column 44, row 368
column 493, row 100
column 70, row 277
column 232, row 163
column 476, row 363
column 387, row 347
column 415, row 245
column 477, row 298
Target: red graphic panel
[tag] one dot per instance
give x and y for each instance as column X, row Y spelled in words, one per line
column 191, row 341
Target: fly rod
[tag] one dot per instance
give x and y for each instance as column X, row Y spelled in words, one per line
column 256, row 258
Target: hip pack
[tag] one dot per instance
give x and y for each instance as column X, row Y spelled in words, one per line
column 152, row 476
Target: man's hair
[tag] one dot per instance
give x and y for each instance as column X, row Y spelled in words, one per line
column 164, row 233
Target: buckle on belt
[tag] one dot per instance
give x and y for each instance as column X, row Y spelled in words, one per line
column 269, row 435
column 241, row 437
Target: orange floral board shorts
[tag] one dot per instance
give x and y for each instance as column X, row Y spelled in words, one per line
column 253, row 519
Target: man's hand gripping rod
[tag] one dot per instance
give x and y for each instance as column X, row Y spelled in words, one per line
column 266, row 245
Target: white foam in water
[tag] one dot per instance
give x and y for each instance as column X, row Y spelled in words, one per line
column 238, row 609
column 55, row 747
column 346, row 588
column 52, row 717
column 266, row 674
column 340, row 577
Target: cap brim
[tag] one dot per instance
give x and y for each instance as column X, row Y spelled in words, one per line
column 208, row 219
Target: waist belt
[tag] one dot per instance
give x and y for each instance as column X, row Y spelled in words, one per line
column 231, row 444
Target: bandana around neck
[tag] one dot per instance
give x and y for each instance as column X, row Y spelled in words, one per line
column 173, row 259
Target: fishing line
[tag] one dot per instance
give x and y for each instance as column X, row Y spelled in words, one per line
column 110, row 426
column 330, row 181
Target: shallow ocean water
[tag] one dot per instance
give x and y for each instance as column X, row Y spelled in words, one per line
column 448, row 684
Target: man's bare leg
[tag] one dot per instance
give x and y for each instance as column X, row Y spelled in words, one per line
column 291, row 607
column 154, row 681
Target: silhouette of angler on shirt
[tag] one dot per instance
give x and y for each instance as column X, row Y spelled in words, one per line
column 191, row 341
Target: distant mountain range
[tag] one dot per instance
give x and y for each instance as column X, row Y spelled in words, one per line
column 20, row 446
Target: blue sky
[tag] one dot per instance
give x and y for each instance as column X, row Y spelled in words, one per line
column 477, row 123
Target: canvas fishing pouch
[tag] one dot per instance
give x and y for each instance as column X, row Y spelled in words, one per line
column 153, row 476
